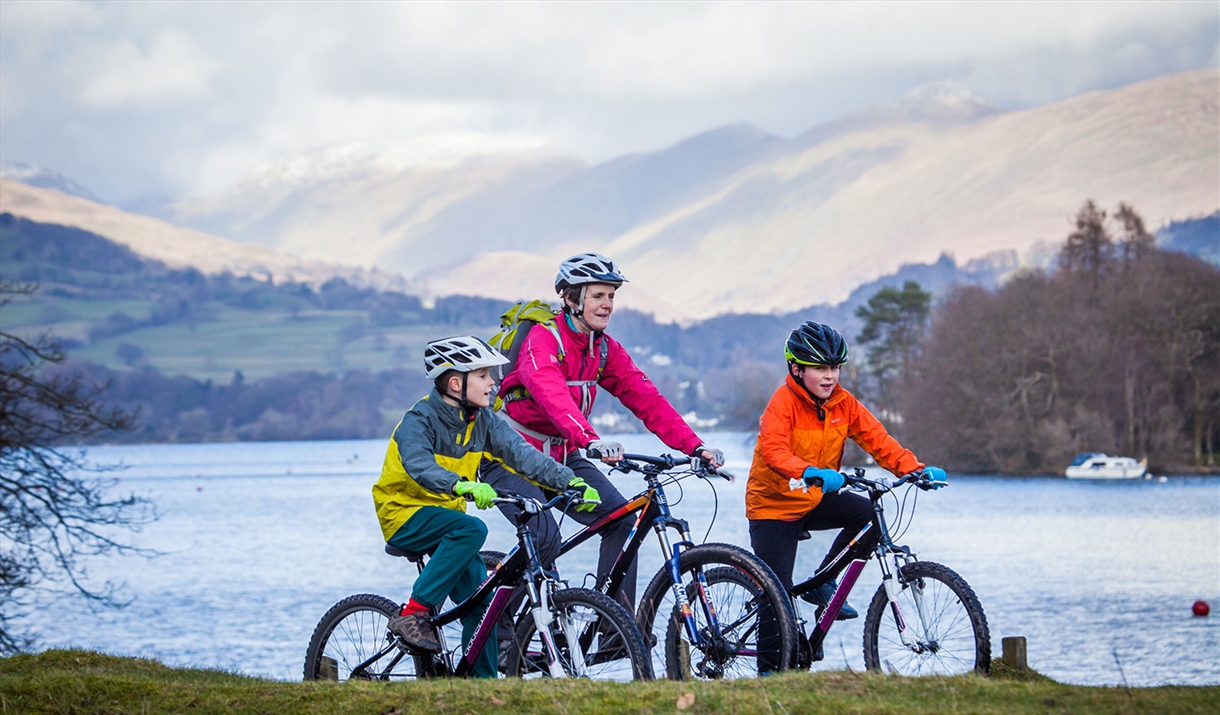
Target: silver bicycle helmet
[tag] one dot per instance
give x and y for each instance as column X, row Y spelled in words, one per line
column 587, row 268
column 464, row 353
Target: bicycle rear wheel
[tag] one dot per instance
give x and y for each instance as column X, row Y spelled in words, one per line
column 946, row 626
column 594, row 634
column 352, row 642
column 740, row 587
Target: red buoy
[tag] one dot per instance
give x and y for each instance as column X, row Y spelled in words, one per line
column 1201, row 608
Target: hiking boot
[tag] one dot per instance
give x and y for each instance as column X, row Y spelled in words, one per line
column 821, row 596
column 416, row 629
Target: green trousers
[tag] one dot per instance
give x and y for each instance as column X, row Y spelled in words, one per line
column 452, row 541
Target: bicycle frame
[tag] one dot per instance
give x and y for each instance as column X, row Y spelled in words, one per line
column 653, row 508
column 856, row 554
column 499, row 586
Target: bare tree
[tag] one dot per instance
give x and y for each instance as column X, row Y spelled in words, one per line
column 54, row 507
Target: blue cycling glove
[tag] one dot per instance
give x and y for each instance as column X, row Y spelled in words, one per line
column 832, row 481
column 938, row 477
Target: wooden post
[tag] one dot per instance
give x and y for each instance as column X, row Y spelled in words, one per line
column 1015, row 653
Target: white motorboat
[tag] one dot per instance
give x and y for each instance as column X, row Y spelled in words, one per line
column 1095, row 465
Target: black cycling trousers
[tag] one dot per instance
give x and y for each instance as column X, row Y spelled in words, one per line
column 546, row 531
column 775, row 541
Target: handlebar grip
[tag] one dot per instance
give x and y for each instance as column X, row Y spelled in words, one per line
column 593, row 453
column 816, row 482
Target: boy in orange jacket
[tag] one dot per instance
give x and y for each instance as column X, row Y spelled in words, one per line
column 801, row 436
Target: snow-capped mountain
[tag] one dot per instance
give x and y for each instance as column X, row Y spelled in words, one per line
column 736, row 219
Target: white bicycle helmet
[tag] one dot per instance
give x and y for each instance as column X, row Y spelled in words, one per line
column 464, row 353
column 587, row 268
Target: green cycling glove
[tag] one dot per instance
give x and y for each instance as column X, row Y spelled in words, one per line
column 590, row 496
column 480, row 492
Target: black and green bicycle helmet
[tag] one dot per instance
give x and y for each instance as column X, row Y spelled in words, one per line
column 816, row 344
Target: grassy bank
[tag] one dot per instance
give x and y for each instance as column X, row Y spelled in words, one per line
column 83, row 682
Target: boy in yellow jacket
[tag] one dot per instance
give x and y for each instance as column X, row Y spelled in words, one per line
column 431, row 466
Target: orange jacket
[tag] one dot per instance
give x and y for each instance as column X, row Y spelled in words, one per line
column 791, row 438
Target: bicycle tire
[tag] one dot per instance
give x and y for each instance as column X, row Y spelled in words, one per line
column 950, row 629
column 711, row 660
column 735, row 596
column 618, row 651
column 354, row 630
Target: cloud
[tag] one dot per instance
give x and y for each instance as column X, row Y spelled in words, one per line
column 141, row 98
column 171, row 70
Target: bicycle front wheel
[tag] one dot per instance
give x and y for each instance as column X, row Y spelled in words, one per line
column 594, row 636
column 756, row 626
column 947, row 631
column 353, row 642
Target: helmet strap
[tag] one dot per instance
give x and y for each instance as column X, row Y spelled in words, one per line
column 579, row 313
column 463, row 403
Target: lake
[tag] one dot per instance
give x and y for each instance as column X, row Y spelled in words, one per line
column 258, row 540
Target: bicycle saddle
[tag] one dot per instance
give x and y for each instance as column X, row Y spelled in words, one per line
column 414, row 556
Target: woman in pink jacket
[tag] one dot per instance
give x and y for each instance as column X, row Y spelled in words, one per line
column 550, row 392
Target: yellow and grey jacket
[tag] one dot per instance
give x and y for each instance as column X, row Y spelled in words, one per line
column 433, row 447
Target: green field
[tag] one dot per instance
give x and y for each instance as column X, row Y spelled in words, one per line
column 259, row 343
column 84, row 682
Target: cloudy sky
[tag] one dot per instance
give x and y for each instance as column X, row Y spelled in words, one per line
column 165, row 99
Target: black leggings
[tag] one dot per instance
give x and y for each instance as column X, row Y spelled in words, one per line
column 775, row 541
column 546, row 531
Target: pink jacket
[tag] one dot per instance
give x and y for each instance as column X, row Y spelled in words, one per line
column 554, row 408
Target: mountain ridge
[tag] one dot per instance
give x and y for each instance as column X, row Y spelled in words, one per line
column 735, row 219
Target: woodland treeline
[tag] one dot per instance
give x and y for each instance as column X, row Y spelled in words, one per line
column 1116, row 349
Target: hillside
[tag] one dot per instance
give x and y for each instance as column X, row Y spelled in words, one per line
column 173, row 245
column 737, row 220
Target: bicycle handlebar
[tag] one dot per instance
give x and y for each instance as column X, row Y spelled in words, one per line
column 533, row 506
column 919, row 478
column 631, row 463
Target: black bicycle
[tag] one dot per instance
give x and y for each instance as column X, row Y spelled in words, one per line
column 564, row 632
column 704, row 602
column 924, row 619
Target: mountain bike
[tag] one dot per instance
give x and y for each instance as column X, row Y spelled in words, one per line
column 704, row 603
column 924, row 619
column 564, row 632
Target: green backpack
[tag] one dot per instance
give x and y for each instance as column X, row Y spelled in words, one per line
column 515, row 324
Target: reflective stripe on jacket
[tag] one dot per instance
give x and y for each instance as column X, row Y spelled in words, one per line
column 433, row 447
column 560, row 393
column 791, row 438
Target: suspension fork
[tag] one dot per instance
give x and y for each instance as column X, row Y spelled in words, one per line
column 889, row 580
column 673, row 564
column 541, row 611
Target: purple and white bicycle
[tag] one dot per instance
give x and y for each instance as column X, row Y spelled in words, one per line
column 924, row 619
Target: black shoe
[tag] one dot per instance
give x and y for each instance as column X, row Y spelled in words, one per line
column 821, row 596
column 416, row 629
column 505, row 653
